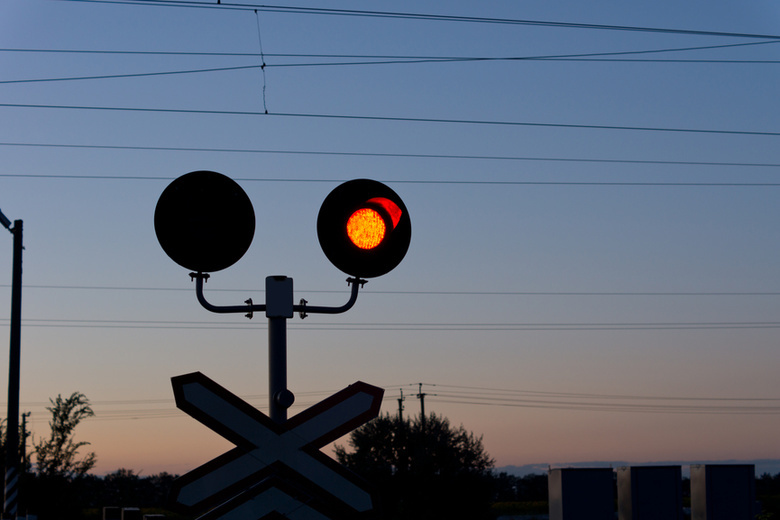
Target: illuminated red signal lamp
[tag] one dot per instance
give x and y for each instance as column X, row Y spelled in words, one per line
column 364, row 228
column 368, row 226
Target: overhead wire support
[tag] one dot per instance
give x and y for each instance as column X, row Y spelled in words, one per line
column 262, row 60
column 421, row 396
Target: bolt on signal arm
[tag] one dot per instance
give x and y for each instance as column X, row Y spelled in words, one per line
column 251, row 308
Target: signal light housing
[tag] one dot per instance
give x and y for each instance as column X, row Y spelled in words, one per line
column 204, row 221
column 364, row 228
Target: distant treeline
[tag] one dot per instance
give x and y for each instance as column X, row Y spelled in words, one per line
column 54, row 498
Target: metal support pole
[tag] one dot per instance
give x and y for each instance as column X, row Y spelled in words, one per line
column 277, row 369
column 12, row 439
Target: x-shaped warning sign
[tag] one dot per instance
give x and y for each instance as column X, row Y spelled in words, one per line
column 275, row 469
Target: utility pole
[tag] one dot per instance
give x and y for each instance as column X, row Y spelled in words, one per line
column 23, row 445
column 10, row 501
column 401, row 405
column 421, row 397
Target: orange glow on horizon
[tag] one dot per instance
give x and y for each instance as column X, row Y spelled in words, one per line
column 366, row 228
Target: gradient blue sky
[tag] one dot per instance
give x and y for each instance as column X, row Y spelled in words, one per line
column 606, row 290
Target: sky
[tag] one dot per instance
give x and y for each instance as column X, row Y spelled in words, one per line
column 594, row 203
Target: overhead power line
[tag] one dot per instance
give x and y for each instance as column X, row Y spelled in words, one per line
column 587, row 395
column 392, row 326
column 612, row 407
column 383, row 62
column 434, row 182
column 527, row 124
column 124, row 76
column 376, row 60
column 419, row 181
column 394, row 155
column 396, row 119
column 165, row 401
column 118, row 410
column 424, row 17
column 608, row 56
column 591, row 402
column 434, row 293
column 517, row 399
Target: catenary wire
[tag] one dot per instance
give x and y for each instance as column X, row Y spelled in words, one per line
column 383, row 57
column 124, row 76
column 395, row 119
column 434, row 182
column 423, row 17
column 605, row 405
column 393, row 155
column 436, row 293
column 380, row 60
column 601, row 407
column 469, row 395
column 480, row 396
column 580, row 395
column 393, row 326
column 585, row 57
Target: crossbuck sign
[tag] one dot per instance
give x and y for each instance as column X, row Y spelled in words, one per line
column 275, row 470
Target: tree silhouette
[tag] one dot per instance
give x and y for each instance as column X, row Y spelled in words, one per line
column 24, row 435
column 421, row 468
column 57, row 489
column 57, row 455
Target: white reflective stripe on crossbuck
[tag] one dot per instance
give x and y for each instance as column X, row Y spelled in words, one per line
column 272, row 447
column 271, row 500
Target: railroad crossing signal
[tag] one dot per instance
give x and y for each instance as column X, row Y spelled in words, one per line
column 275, row 469
column 205, row 222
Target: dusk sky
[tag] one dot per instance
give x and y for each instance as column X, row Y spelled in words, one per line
column 593, row 190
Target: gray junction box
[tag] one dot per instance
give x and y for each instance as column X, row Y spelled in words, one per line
column 581, row 494
column 723, row 491
column 649, row 493
column 131, row 513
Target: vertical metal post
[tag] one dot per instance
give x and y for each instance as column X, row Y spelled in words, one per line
column 279, row 307
column 12, row 438
column 277, row 368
